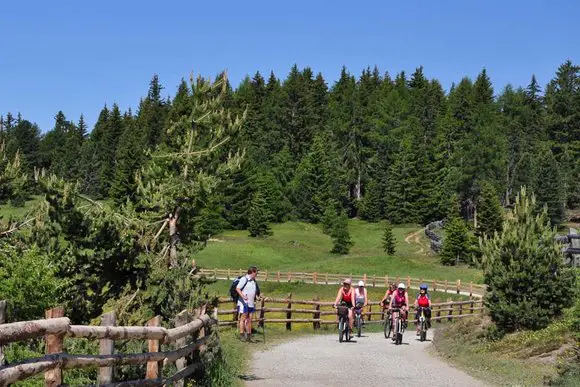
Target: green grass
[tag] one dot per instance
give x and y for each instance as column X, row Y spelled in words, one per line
column 297, row 246
column 524, row 358
column 7, row 211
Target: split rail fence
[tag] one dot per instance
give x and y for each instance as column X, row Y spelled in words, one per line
column 471, row 289
column 318, row 313
column 191, row 337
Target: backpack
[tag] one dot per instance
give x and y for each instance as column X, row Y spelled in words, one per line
column 234, row 294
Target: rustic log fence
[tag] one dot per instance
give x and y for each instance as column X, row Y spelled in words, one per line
column 192, row 335
column 319, row 313
column 470, row 289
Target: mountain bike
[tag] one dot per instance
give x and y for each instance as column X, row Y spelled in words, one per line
column 399, row 326
column 343, row 326
column 358, row 319
column 423, row 325
column 388, row 324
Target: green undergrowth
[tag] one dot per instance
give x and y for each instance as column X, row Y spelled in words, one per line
column 297, row 246
column 525, row 358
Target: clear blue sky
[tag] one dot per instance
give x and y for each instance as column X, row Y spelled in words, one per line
column 76, row 56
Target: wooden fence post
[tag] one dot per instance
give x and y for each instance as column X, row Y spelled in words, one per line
column 471, row 307
column 408, row 282
column 154, row 367
column 386, row 281
column 446, row 284
column 374, row 280
column 181, row 319
column 262, row 312
column 434, row 285
column 266, row 276
column 54, row 344
column 2, row 321
column 450, row 313
column 438, row 311
column 316, row 314
column 106, row 347
column 278, row 276
column 229, row 275
column 315, row 278
column 458, row 286
column 326, row 278
column 460, row 309
column 289, row 312
column 471, row 289
column 289, row 276
column 370, row 312
column 365, row 279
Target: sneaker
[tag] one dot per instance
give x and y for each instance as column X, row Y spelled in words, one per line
column 243, row 337
column 418, row 333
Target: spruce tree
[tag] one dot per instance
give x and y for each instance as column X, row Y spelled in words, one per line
column 528, row 284
column 456, row 241
column 550, row 189
column 259, row 216
column 370, row 205
column 340, row 235
column 489, row 212
column 329, row 218
column 389, row 242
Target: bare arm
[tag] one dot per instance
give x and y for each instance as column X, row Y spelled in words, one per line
column 407, row 299
column 366, row 297
column 352, row 298
column 337, row 297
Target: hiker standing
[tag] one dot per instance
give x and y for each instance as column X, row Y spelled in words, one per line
column 247, row 291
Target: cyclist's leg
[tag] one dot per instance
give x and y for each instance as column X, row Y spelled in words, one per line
column 350, row 319
column 417, row 325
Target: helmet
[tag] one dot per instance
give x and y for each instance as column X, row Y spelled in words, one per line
column 402, row 286
column 423, row 287
column 347, row 281
column 361, row 283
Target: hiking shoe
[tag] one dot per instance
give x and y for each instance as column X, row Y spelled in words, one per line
column 243, row 337
column 418, row 333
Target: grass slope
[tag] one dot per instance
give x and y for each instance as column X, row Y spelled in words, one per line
column 297, row 246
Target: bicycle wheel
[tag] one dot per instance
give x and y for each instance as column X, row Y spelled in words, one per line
column 399, row 332
column 423, row 335
column 388, row 325
column 340, row 330
column 358, row 326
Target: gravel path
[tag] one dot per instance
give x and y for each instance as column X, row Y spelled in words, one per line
column 372, row 360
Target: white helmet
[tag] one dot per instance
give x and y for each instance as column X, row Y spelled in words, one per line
column 401, row 286
column 361, row 283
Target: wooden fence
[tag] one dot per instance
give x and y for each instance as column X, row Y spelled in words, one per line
column 471, row 289
column 191, row 336
column 289, row 311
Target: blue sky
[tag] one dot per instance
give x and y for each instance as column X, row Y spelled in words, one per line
column 65, row 55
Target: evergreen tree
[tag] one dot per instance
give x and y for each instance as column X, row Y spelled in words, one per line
column 340, row 235
column 550, row 188
column 389, row 242
column 489, row 212
column 108, row 150
column 527, row 282
column 456, row 241
column 128, row 159
column 370, row 205
column 329, row 218
column 152, row 114
column 401, row 193
column 259, row 216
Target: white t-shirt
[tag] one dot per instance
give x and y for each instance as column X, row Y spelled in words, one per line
column 249, row 290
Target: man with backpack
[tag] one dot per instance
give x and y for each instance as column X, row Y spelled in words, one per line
column 246, row 291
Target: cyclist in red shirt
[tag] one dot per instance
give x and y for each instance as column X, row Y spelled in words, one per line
column 387, row 298
column 346, row 295
column 400, row 300
column 422, row 301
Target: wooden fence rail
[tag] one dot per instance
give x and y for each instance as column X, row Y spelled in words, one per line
column 320, row 309
column 471, row 289
column 191, row 334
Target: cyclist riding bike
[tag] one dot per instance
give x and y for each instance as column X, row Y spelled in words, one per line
column 400, row 300
column 423, row 301
column 386, row 301
column 361, row 298
column 346, row 295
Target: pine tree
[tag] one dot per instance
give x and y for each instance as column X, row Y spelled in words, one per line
column 389, row 242
column 550, row 188
column 402, row 186
column 340, row 235
column 329, row 218
column 527, row 282
column 108, row 150
column 152, row 114
column 456, row 241
column 489, row 212
column 370, row 205
column 259, row 216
